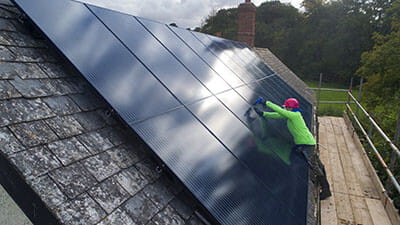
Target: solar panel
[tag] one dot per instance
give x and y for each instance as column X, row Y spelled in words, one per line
column 186, row 95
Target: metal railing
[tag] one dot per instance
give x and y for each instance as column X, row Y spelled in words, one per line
column 368, row 135
column 396, row 153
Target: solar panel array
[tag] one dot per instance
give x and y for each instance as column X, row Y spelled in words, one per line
column 186, row 95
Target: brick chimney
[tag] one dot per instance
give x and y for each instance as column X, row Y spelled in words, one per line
column 247, row 22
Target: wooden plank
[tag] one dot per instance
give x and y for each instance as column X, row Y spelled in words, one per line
column 328, row 207
column 328, row 211
column 348, row 168
column 340, row 189
column 387, row 202
column 360, row 211
column 339, row 184
column 366, row 184
column 377, row 211
column 324, row 151
column 343, row 209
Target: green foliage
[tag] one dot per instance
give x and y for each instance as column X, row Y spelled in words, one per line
column 224, row 21
column 381, row 68
column 277, row 29
column 328, row 38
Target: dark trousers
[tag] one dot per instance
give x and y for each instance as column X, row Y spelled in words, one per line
column 315, row 164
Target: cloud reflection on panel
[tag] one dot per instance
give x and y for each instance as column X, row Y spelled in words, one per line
column 200, row 49
column 153, row 55
column 187, row 56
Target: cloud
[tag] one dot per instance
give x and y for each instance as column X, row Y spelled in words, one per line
column 185, row 13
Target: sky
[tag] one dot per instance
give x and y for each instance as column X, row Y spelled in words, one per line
column 185, row 13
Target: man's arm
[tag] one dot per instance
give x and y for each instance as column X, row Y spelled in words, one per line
column 273, row 115
column 282, row 112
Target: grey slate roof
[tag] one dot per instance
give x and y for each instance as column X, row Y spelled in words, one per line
column 285, row 73
column 57, row 133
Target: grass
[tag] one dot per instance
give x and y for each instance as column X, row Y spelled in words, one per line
column 331, row 109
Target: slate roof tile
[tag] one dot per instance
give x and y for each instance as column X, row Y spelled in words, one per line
column 62, row 105
column 3, row 39
column 53, row 70
column 132, row 180
column 59, row 87
column 118, row 217
column 68, row 150
column 7, row 14
column 23, row 54
column 6, row 25
column 10, row 7
column 109, row 194
column 168, row 216
column 23, row 70
column 73, row 179
column 22, row 40
column 108, row 116
column 9, row 144
column 123, row 156
column 181, row 208
column 22, row 110
column 35, row 162
column 31, row 88
column 6, row 54
column 82, row 210
column 8, row 91
column 37, row 109
column 65, row 126
column 116, row 135
column 95, row 141
column 101, row 166
column 140, row 208
column 148, row 168
column 159, row 194
column 87, row 101
column 79, row 85
column 6, row 2
column 49, row 191
column 7, row 70
column 33, row 133
column 90, row 120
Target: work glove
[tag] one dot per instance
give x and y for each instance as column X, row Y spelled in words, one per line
column 259, row 100
column 259, row 112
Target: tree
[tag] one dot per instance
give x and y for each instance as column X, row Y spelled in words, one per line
column 276, row 28
column 224, row 21
column 381, row 68
column 328, row 38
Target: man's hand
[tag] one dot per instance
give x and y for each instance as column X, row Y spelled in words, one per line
column 259, row 100
column 259, row 112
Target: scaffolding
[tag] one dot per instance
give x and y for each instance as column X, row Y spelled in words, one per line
column 372, row 134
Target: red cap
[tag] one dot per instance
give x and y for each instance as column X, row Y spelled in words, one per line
column 291, row 103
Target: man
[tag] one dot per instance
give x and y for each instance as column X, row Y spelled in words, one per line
column 303, row 139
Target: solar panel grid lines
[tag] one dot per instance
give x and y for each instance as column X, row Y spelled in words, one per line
column 206, row 40
column 152, row 54
column 185, row 56
column 247, row 55
column 238, row 52
column 210, row 58
column 202, row 159
column 225, row 56
column 159, row 79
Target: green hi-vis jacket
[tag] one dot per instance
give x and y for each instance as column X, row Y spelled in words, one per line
column 295, row 123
